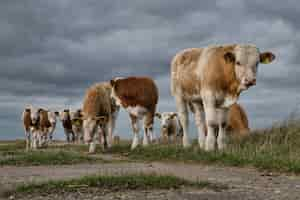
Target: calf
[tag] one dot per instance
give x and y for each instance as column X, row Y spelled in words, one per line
column 99, row 115
column 44, row 126
column 139, row 96
column 170, row 126
column 52, row 116
column 76, row 120
column 212, row 79
column 238, row 124
column 67, row 125
column 35, row 126
column 237, row 121
column 27, row 123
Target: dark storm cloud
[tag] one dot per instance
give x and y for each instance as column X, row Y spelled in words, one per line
column 52, row 50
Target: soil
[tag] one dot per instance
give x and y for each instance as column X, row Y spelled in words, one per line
column 242, row 183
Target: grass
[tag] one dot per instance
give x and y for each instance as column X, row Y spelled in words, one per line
column 276, row 149
column 113, row 183
column 57, row 157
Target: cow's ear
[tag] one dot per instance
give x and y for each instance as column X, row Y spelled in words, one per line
column 112, row 82
column 158, row 115
column 229, row 57
column 266, row 57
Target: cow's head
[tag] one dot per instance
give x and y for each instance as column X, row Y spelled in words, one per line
column 114, row 91
column 35, row 115
column 166, row 118
column 245, row 59
column 65, row 115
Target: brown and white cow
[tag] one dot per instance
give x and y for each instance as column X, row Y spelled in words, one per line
column 170, row 126
column 237, row 121
column 139, row 96
column 27, row 123
column 212, row 79
column 99, row 115
column 77, row 125
column 65, row 118
column 238, row 124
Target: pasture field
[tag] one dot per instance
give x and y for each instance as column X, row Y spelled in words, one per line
column 275, row 149
column 265, row 164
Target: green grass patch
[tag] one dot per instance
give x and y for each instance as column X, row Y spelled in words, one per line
column 46, row 157
column 277, row 149
column 113, row 183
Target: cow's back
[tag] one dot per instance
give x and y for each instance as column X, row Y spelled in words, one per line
column 197, row 69
column 137, row 91
column 183, row 67
column 97, row 100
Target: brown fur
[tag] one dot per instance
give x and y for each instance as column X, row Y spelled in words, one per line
column 133, row 91
column 44, row 121
column 238, row 122
column 27, row 119
column 184, row 75
column 67, row 124
column 97, row 101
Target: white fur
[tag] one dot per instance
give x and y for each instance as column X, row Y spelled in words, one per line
column 137, row 111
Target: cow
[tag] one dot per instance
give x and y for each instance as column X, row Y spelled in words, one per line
column 237, row 121
column 238, row 124
column 35, row 126
column 170, row 126
column 44, row 126
column 212, row 79
column 52, row 116
column 67, row 125
column 99, row 115
column 139, row 96
column 27, row 123
column 47, row 125
column 77, row 127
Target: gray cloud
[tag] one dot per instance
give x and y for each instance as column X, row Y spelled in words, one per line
column 52, row 50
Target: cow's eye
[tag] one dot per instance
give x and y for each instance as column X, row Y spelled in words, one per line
column 238, row 63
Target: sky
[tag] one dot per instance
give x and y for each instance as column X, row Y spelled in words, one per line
column 51, row 51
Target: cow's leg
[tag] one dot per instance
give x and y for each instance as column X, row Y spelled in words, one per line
column 27, row 135
column 200, row 123
column 211, row 123
column 148, row 128
column 89, row 128
column 105, row 131
column 184, row 120
column 222, row 118
column 34, row 140
column 136, row 129
column 111, row 127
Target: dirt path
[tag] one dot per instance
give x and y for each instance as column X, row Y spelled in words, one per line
column 244, row 183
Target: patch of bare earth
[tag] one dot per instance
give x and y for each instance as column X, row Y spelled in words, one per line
column 243, row 183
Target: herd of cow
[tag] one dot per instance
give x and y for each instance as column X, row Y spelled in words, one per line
column 207, row 81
